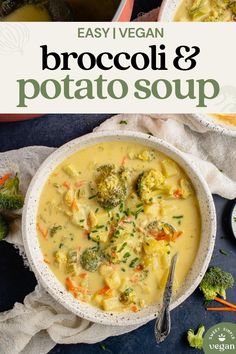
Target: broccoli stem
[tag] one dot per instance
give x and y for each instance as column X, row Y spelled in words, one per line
column 4, row 227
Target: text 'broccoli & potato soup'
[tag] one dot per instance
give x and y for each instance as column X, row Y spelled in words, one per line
column 110, row 218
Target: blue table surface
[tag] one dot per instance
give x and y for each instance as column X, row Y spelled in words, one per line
column 17, row 281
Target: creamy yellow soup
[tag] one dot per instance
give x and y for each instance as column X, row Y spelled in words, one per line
column 229, row 119
column 206, row 11
column 111, row 217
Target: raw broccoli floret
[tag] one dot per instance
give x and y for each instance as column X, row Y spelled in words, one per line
column 111, row 187
column 148, row 183
column 90, row 260
column 4, row 228
column 196, row 340
column 216, row 282
column 10, row 196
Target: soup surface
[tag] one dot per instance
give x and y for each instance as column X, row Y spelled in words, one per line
column 229, row 119
column 111, row 217
column 58, row 10
column 206, row 11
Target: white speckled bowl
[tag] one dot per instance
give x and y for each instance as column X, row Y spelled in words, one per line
column 233, row 220
column 45, row 275
column 214, row 125
column 167, row 10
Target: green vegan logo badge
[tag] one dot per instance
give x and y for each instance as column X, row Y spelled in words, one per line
column 220, row 338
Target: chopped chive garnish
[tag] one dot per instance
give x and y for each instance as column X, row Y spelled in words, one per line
column 100, row 226
column 177, row 217
column 121, row 207
column 139, row 205
column 122, row 247
column 127, row 212
column 123, row 122
column 224, row 252
column 123, row 269
column 103, row 347
column 96, row 211
column 93, row 196
column 126, row 255
column 134, row 263
column 137, row 212
column 54, row 230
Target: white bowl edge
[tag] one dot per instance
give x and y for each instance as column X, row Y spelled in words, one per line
column 48, row 279
column 214, row 125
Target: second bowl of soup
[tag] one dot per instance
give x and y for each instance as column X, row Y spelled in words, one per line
column 198, row 11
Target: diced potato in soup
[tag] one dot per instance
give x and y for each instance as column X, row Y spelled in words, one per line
column 110, row 218
column 206, row 11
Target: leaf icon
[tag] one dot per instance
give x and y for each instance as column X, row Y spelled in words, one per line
column 13, row 38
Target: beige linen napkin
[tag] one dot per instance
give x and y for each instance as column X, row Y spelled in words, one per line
column 38, row 324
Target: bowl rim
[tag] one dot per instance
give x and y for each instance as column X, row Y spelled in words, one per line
column 232, row 222
column 209, row 122
column 67, row 300
column 164, row 5
column 120, row 8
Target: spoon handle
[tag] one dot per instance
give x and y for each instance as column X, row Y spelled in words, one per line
column 163, row 322
column 162, row 325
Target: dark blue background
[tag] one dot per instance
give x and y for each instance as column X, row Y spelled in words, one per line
column 16, row 281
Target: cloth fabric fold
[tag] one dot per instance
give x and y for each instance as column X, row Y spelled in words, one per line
column 38, row 324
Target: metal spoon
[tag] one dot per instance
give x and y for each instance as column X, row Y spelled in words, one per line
column 163, row 322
